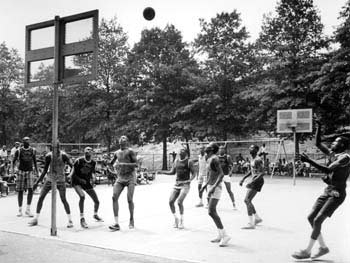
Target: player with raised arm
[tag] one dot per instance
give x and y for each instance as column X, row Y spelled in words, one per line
column 337, row 173
column 182, row 167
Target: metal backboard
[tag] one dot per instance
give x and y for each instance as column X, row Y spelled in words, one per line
column 298, row 119
column 74, row 39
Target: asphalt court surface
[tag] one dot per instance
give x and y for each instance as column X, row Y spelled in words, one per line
column 282, row 206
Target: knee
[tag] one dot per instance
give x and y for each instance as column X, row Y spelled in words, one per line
column 311, row 218
column 82, row 198
column 130, row 201
column 211, row 213
column 247, row 201
column 318, row 220
column 180, row 203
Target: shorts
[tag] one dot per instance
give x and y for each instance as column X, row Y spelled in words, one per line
column 226, row 179
column 202, row 179
column 217, row 192
column 87, row 186
column 326, row 204
column 183, row 188
column 47, row 186
column 256, row 185
column 24, row 180
column 127, row 181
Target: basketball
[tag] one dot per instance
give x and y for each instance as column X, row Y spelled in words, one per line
column 149, row 13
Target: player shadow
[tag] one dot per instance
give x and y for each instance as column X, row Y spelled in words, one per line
column 273, row 229
column 315, row 260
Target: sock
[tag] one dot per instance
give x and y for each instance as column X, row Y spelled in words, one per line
column 37, row 216
column 28, row 208
column 321, row 241
column 95, row 213
column 251, row 220
column 81, row 215
column 69, row 217
column 20, row 209
column 116, row 220
column 182, row 217
column 310, row 245
column 222, row 232
column 256, row 216
column 175, row 216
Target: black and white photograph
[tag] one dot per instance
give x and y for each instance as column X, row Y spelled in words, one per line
column 163, row 131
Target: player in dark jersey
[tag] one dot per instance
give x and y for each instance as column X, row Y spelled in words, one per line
column 25, row 177
column 62, row 161
column 126, row 162
column 184, row 169
column 227, row 165
column 214, row 187
column 337, row 173
column 81, row 178
column 254, row 186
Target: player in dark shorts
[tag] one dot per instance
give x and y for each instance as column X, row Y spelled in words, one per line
column 81, row 178
column 227, row 165
column 25, row 177
column 337, row 172
column 254, row 186
column 214, row 188
column 184, row 169
column 62, row 161
column 126, row 162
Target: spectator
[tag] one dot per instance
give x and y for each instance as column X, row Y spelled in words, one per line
column 3, row 153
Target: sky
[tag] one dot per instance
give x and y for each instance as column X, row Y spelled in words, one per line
column 184, row 14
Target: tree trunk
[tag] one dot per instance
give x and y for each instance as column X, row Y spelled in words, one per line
column 165, row 161
column 188, row 147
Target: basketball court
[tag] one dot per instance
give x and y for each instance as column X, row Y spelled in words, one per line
column 282, row 206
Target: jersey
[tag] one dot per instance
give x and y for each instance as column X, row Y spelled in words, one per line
column 226, row 163
column 213, row 169
column 26, row 158
column 339, row 176
column 62, row 160
column 182, row 168
column 84, row 169
column 126, row 172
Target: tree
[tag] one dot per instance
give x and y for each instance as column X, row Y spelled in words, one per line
column 11, row 73
column 161, row 71
column 290, row 46
column 228, row 62
column 333, row 83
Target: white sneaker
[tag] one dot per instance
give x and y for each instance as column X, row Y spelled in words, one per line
column 216, row 240
column 224, row 241
column 249, row 226
column 176, row 223
column 70, row 224
column 200, row 204
column 181, row 224
column 20, row 214
column 29, row 214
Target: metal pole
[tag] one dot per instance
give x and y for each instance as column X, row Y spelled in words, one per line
column 55, row 126
column 295, row 153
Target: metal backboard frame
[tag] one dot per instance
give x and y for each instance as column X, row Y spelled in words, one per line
column 298, row 119
column 63, row 49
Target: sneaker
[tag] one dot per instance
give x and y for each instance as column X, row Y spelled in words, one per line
column 97, row 218
column 114, row 227
column 176, row 223
column 224, row 241
column 216, row 240
column 20, row 214
column 257, row 221
column 200, row 204
column 34, row 222
column 249, row 226
column 181, row 224
column 131, row 224
column 302, row 254
column 321, row 251
column 83, row 223
column 70, row 224
column 29, row 214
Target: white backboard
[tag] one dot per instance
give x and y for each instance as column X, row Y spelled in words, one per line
column 300, row 119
